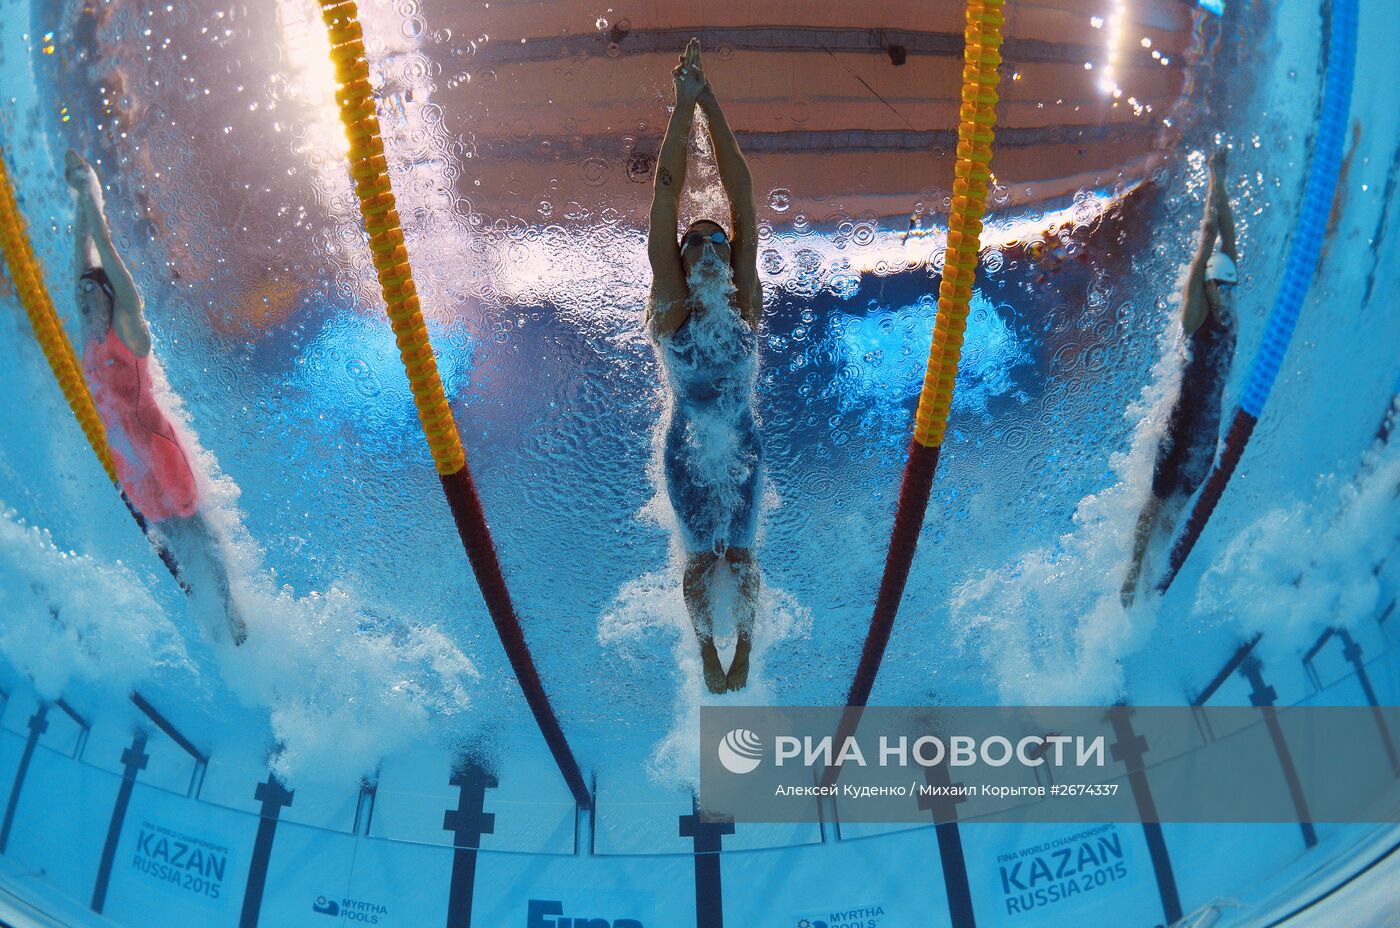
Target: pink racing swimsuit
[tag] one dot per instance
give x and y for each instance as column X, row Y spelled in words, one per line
column 152, row 466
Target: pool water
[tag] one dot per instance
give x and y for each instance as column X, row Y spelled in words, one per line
column 519, row 163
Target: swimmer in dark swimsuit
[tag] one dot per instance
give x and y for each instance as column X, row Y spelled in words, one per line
column 152, row 463
column 1187, row 450
column 703, row 315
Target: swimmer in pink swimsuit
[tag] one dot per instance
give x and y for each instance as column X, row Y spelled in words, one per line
column 153, row 465
column 150, row 460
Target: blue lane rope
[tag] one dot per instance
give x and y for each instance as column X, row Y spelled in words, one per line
column 1298, row 272
column 1308, row 234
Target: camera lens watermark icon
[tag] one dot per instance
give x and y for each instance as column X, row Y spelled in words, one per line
column 740, row 751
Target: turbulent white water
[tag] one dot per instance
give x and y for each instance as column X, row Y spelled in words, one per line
column 71, row 617
column 343, row 681
column 343, row 687
column 649, row 613
column 1313, row 562
column 1050, row 625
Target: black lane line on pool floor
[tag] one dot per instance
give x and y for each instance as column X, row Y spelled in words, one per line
column 274, row 798
column 1354, row 654
column 1129, row 748
column 707, row 838
column 38, row 724
column 951, row 856
column 201, row 760
column 1264, row 696
column 1352, row 651
column 1201, row 698
column 468, row 822
column 134, row 760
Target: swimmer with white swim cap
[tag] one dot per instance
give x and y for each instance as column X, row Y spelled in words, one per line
column 152, row 463
column 1187, row 449
column 703, row 316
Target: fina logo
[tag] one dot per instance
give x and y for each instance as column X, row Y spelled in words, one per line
column 539, row 912
column 740, row 751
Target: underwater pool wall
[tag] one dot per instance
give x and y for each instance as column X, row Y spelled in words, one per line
column 107, row 826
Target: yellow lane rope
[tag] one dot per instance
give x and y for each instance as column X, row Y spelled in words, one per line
column 28, row 278
column 370, row 171
column 976, row 130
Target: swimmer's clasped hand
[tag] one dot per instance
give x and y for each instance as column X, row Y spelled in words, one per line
column 689, row 78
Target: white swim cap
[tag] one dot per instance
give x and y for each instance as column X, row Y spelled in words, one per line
column 1220, row 267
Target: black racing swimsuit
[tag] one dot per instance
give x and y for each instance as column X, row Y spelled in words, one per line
column 1188, row 447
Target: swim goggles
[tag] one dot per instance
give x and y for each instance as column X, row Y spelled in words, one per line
column 699, row 238
column 95, row 278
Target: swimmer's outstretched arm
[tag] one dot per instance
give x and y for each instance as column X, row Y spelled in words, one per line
column 127, row 313
column 668, row 291
column 1225, row 217
column 128, row 317
column 84, row 250
column 738, row 187
column 1193, row 300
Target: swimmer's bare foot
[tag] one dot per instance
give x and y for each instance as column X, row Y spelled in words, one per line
column 1134, row 572
column 237, row 628
column 1130, row 582
column 738, row 676
column 710, row 665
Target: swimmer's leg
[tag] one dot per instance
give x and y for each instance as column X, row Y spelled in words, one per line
column 742, row 562
column 1147, row 520
column 699, row 569
column 159, row 544
column 199, row 540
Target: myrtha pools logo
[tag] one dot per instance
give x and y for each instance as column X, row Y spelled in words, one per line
column 866, row 916
column 740, row 751
column 352, row 910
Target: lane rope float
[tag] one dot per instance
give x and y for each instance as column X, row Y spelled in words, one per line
column 369, row 168
column 972, row 177
column 28, row 278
